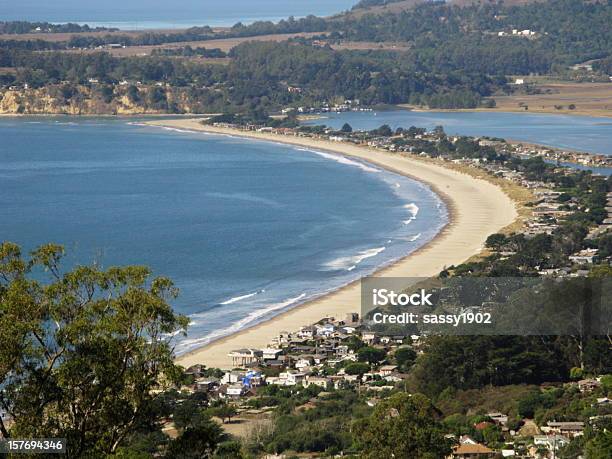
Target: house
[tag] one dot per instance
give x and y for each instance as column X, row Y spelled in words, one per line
column 467, row 440
column 519, row 81
column 195, row 370
column 386, row 370
column 253, row 379
column 584, row 256
column 307, row 332
column 498, row 418
column 290, row 378
column 232, row 377
column 395, row 339
column 325, row 330
column 569, row 429
column 302, row 363
column 395, row 377
column 316, row 381
column 206, row 384
column 471, row 451
column 235, row 390
column 369, row 337
column 550, row 442
column 243, row 357
column 271, row 353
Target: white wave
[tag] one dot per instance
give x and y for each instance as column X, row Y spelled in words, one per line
column 242, row 323
column 413, row 209
column 188, row 131
column 236, row 299
column 414, row 238
column 350, row 263
column 342, row 160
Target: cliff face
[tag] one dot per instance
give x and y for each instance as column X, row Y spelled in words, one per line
column 97, row 100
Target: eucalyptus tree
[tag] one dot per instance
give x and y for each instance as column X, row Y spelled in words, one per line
column 83, row 352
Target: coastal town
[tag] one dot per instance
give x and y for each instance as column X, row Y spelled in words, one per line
column 334, row 356
column 318, row 362
column 308, row 229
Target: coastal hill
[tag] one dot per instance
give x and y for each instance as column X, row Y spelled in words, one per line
column 431, row 55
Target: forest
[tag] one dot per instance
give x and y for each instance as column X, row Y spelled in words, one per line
column 457, row 57
column 258, row 76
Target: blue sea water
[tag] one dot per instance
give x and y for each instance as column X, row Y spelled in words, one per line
column 582, row 133
column 246, row 229
column 162, row 14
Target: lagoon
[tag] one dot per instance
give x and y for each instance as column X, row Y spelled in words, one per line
column 581, row 133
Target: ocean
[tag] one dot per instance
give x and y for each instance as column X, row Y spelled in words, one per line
column 246, row 229
column 162, row 14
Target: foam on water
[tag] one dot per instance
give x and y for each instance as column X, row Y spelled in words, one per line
column 236, row 299
column 342, row 160
column 251, row 318
column 350, row 263
column 413, row 209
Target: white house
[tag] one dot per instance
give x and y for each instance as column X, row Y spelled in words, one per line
column 386, row 370
column 232, row 377
column 290, row 378
column 242, row 357
column 551, row 442
column 317, row 381
column 584, row 256
column 302, row 363
column 271, row 353
column 325, row 330
column 235, row 390
column 307, row 332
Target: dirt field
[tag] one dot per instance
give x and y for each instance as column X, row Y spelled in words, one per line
column 370, row 45
column 244, row 424
column 55, row 37
column 224, row 44
column 588, row 98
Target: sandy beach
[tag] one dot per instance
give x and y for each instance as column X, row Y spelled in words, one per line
column 477, row 208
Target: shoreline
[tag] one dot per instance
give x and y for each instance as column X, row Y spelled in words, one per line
column 593, row 113
column 476, row 209
column 589, row 113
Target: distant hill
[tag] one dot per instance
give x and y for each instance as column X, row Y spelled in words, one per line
column 396, row 6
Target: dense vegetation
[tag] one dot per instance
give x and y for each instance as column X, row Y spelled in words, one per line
column 258, row 76
column 453, row 37
column 455, row 58
column 22, row 27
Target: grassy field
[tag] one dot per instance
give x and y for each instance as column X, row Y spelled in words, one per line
column 588, row 98
column 224, row 44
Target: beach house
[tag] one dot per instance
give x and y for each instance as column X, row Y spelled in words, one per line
column 243, row 357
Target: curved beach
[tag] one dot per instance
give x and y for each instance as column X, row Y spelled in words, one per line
column 477, row 209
